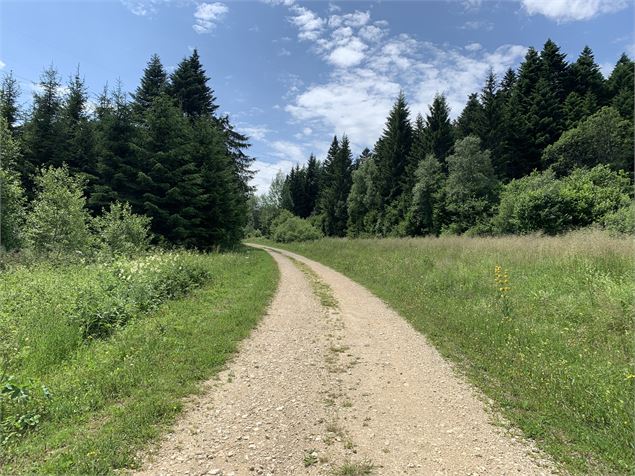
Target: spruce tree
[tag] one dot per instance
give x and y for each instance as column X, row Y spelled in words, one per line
column 79, row 150
column 336, row 187
column 188, row 86
column 312, row 185
column 468, row 121
column 392, row 151
column 117, row 154
column 153, row 83
column 620, row 87
column 43, row 139
column 9, row 95
column 586, row 76
column 545, row 119
column 439, row 129
column 555, row 69
column 418, row 152
column 490, row 123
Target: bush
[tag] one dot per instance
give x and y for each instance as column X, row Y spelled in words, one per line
column 621, row 220
column 295, row 229
column 603, row 138
column 57, row 225
column 541, row 202
column 121, row 232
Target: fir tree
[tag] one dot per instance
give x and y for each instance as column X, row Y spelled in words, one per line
column 79, row 151
column 312, row 185
column 555, row 69
column 439, row 129
column 490, row 123
column 418, row 152
column 9, row 95
column 43, row 133
column 188, row 86
column 586, row 76
column 620, row 87
column 336, row 187
column 153, row 84
column 470, row 118
column 545, row 121
column 392, row 151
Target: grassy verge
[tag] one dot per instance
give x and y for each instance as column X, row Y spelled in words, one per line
column 112, row 395
column 554, row 351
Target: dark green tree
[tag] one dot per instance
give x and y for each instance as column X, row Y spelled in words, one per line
column 43, row 139
column 188, row 86
column 9, row 95
column 336, row 187
column 153, row 83
column 620, row 87
column 312, row 185
column 439, row 129
column 79, row 149
column 468, row 121
column 490, row 123
column 585, row 76
column 426, row 207
column 555, row 69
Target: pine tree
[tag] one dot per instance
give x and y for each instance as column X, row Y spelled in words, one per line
column 529, row 73
column 467, row 123
column 392, row 150
column 586, row 76
column 312, row 185
column 555, row 69
column 188, row 86
column 418, row 152
column 43, row 133
column 9, row 95
column 79, row 150
column 439, row 129
column 545, row 121
column 336, row 187
column 153, row 83
column 620, row 87
column 507, row 84
column 490, row 124
column 117, row 155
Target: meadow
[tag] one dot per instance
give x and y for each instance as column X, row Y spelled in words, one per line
column 543, row 326
column 97, row 358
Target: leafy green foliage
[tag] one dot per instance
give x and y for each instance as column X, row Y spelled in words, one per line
column 57, row 223
column 12, row 200
column 290, row 228
column 603, row 138
column 122, row 233
column 541, row 202
column 22, row 406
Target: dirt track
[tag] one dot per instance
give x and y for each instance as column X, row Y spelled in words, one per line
column 318, row 387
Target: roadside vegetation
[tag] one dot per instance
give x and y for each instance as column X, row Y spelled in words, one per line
column 542, row 325
column 98, row 358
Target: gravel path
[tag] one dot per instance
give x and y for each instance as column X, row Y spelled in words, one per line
column 323, row 390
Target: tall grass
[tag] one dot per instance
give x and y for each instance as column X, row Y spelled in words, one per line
column 555, row 351
column 112, row 393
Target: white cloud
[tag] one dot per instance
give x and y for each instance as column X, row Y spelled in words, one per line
column 207, row 15
column 2, row 64
column 309, row 24
column 266, row 172
column 286, row 150
column 473, row 47
column 284, row 52
column 477, row 25
column 349, row 54
column 572, row 10
column 256, row 132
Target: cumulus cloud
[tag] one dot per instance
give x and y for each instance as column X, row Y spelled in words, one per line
column 572, row 10
column 207, row 15
column 266, row 172
column 371, row 67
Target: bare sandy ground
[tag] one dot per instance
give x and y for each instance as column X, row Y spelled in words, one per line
column 314, row 389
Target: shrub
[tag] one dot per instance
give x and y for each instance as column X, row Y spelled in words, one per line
column 121, row 232
column 295, row 229
column 57, row 223
column 541, row 202
column 603, row 138
column 621, row 220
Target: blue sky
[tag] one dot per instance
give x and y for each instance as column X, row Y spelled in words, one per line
column 291, row 74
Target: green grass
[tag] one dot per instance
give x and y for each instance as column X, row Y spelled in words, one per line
column 112, row 395
column 560, row 366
